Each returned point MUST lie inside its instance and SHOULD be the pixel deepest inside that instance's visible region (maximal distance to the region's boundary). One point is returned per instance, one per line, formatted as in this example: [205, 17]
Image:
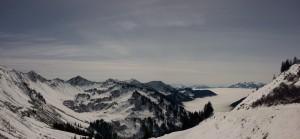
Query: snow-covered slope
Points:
[265, 123]
[290, 77]
[275, 116]
[21, 93]
[14, 125]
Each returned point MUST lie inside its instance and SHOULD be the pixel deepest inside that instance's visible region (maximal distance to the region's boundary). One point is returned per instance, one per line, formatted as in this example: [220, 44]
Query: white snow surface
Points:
[281, 122]
[15, 126]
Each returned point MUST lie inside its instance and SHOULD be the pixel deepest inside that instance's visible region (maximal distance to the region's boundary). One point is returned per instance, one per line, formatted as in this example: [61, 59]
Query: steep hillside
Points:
[288, 78]
[26, 111]
[270, 112]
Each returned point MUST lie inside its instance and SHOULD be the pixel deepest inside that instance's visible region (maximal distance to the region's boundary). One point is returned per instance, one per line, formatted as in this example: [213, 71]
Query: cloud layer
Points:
[209, 42]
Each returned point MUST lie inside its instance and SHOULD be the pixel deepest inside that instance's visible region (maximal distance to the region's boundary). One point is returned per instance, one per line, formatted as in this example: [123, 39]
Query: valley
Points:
[221, 102]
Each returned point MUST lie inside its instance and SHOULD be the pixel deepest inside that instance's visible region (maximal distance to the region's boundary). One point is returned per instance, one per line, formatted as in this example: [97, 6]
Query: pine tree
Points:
[208, 110]
[295, 60]
[286, 65]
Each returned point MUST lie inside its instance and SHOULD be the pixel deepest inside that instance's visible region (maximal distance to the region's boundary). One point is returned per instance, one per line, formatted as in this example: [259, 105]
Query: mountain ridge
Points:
[126, 107]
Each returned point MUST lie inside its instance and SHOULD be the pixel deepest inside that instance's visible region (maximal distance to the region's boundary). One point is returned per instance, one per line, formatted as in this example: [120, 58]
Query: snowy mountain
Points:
[134, 82]
[198, 86]
[247, 85]
[270, 112]
[33, 76]
[35, 107]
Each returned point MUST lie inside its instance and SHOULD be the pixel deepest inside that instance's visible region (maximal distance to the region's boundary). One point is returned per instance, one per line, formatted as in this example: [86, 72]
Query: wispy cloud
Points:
[127, 25]
[180, 20]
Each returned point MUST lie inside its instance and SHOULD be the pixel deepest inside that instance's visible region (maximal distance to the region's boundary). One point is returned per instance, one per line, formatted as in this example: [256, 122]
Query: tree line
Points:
[100, 129]
[189, 120]
[285, 65]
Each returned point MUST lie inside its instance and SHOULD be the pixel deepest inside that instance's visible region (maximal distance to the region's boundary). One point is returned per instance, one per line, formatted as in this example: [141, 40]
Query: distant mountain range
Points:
[238, 85]
[180, 86]
[247, 85]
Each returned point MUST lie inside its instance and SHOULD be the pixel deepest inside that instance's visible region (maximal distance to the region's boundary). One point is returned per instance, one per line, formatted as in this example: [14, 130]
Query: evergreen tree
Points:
[208, 110]
[286, 65]
[295, 60]
[104, 130]
[70, 128]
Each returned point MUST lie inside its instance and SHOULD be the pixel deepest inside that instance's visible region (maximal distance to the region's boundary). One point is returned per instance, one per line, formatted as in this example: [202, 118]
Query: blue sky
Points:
[177, 41]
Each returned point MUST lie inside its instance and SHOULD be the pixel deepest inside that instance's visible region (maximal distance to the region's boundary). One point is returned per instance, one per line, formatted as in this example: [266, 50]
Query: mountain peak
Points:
[133, 81]
[78, 80]
[4, 68]
[156, 82]
[110, 80]
[32, 72]
[160, 86]
[58, 80]
[32, 75]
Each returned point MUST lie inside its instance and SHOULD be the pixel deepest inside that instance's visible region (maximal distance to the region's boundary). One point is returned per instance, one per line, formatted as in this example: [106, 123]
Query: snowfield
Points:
[220, 102]
[15, 126]
[281, 122]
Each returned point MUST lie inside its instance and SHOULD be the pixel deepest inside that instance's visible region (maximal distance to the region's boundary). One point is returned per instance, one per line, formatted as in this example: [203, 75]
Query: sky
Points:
[213, 42]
